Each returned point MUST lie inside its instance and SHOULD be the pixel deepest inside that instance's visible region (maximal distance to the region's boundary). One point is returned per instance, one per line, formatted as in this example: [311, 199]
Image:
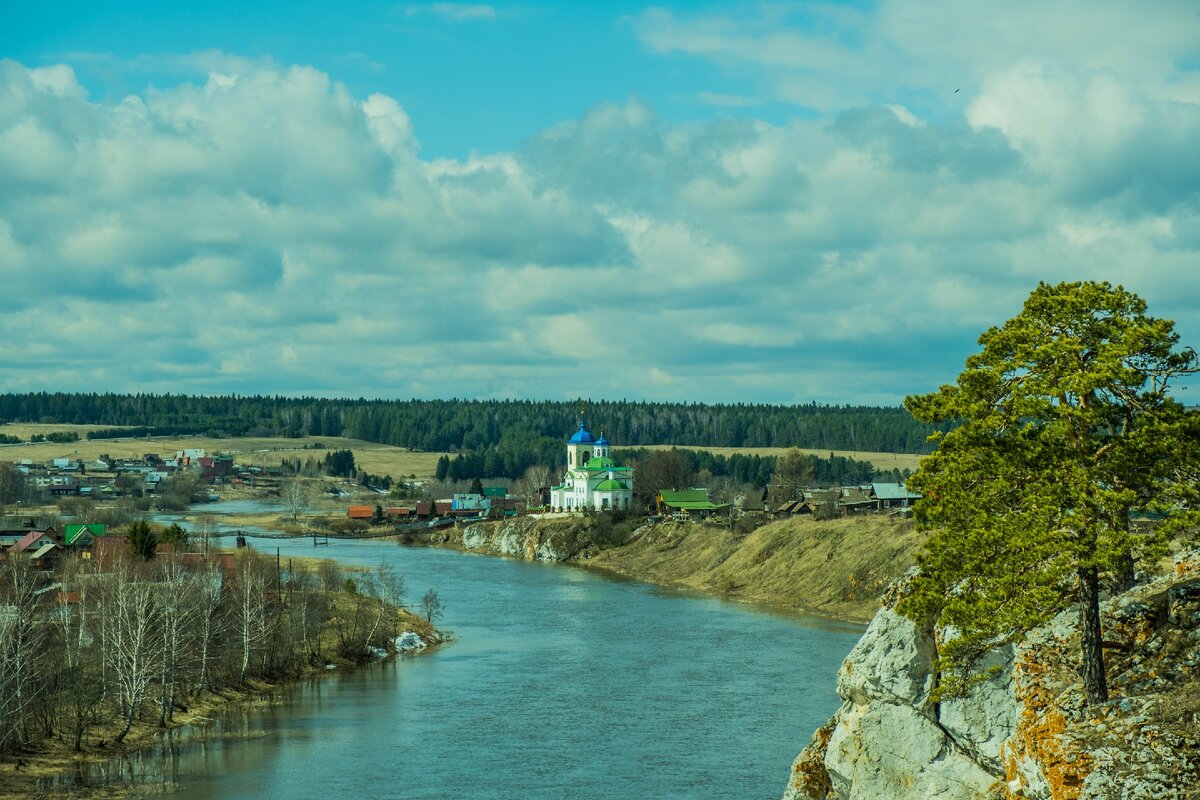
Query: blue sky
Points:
[759, 202]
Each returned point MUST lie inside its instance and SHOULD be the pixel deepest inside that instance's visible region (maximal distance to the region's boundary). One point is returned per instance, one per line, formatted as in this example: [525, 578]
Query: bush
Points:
[330, 575]
[746, 525]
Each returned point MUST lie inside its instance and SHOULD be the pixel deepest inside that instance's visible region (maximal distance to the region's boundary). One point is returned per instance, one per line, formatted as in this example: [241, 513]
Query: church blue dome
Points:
[582, 436]
[602, 441]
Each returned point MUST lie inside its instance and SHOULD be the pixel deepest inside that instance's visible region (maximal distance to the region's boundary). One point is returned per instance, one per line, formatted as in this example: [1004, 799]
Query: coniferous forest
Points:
[447, 425]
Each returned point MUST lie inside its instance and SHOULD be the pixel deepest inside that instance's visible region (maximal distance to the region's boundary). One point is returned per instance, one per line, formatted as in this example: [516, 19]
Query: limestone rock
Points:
[981, 722]
[1025, 732]
[475, 537]
[883, 750]
[892, 661]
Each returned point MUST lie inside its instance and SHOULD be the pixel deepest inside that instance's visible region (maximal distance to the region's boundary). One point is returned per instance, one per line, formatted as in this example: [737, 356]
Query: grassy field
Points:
[27, 429]
[378, 459]
[880, 460]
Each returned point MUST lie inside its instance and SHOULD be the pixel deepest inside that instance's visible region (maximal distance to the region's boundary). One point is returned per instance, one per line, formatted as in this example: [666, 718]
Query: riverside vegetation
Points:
[116, 650]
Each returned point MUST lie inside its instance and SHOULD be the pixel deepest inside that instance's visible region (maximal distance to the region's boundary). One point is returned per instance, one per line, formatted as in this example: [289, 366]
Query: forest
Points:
[508, 436]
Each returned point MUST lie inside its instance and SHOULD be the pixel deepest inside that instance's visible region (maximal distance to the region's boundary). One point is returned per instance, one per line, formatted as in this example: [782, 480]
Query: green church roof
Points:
[600, 463]
[610, 485]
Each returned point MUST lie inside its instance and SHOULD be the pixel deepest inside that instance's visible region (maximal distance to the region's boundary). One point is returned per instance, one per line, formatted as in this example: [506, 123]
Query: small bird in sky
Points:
[956, 91]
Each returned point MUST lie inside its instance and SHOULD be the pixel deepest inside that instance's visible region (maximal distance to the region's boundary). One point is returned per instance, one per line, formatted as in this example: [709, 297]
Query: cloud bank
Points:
[265, 231]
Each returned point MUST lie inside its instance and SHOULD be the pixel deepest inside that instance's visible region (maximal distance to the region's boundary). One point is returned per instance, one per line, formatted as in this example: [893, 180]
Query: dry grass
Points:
[378, 459]
[27, 429]
[907, 461]
[837, 568]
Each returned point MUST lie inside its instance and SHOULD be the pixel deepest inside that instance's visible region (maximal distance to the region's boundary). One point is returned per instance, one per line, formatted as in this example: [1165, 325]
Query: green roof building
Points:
[82, 535]
[593, 481]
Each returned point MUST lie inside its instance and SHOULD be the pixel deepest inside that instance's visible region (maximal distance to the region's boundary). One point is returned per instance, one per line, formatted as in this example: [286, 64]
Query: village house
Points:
[693, 503]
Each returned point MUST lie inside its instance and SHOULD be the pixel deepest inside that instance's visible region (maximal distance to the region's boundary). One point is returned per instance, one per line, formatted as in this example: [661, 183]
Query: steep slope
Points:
[1024, 733]
[837, 568]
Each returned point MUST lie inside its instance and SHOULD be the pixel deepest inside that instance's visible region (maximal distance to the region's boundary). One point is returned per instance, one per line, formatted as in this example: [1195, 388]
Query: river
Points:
[560, 683]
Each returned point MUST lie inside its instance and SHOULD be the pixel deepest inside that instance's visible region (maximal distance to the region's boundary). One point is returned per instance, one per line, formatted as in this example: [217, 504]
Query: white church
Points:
[593, 480]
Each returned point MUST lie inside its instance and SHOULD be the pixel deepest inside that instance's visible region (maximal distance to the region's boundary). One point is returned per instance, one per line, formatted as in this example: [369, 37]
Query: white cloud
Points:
[260, 229]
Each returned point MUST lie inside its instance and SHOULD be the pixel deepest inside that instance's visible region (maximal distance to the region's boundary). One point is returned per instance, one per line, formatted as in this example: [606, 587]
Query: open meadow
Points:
[909, 461]
[378, 459]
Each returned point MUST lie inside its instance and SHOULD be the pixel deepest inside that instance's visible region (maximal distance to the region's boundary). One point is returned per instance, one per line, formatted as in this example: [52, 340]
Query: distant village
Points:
[593, 482]
[66, 476]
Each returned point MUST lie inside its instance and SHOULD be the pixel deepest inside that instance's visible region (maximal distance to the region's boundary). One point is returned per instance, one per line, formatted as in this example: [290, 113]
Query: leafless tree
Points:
[22, 637]
[177, 612]
[12, 485]
[203, 530]
[250, 611]
[431, 606]
[531, 484]
[293, 497]
[208, 584]
[130, 629]
[387, 587]
[80, 683]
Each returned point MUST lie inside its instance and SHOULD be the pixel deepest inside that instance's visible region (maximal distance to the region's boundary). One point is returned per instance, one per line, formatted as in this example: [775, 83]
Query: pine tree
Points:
[1066, 429]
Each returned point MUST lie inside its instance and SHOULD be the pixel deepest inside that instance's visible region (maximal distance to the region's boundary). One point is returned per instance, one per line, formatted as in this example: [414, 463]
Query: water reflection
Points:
[561, 682]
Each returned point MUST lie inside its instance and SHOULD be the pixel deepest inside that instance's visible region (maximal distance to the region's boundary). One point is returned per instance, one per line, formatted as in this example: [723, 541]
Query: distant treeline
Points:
[506, 435]
[754, 470]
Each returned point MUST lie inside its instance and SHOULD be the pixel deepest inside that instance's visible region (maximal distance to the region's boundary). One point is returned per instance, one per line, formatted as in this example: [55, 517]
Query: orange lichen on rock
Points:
[1041, 737]
[809, 776]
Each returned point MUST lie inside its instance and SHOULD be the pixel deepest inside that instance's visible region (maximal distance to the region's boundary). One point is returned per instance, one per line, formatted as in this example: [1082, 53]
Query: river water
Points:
[560, 683]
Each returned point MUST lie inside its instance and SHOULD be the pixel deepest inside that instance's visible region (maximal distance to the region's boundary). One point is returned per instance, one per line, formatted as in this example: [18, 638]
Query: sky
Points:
[735, 202]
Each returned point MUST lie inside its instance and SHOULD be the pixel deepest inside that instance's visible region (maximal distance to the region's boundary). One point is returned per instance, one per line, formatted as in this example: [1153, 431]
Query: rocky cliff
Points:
[527, 538]
[1024, 732]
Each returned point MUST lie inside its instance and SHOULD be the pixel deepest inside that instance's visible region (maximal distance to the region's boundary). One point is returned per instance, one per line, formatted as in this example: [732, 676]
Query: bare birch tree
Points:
[130, 627]
[177, 612]
[80, 682]
[22, 638]
[207, 586]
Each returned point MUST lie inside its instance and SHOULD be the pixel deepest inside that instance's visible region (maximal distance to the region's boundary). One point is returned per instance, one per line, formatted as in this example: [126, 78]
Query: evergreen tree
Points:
[1066, 428]
[143, 541]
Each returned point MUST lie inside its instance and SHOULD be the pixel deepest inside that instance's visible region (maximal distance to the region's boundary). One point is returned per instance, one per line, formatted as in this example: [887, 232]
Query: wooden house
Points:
[360, 512]
[695, 503]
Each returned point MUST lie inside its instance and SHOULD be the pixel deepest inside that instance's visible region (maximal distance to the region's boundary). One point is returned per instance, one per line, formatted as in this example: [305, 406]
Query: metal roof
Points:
[893, 491]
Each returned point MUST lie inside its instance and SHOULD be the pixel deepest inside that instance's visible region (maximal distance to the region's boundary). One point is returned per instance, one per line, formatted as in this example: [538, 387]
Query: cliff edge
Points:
[1024, 732]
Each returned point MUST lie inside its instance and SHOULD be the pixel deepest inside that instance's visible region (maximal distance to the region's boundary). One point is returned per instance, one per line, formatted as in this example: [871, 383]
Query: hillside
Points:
[836, 568]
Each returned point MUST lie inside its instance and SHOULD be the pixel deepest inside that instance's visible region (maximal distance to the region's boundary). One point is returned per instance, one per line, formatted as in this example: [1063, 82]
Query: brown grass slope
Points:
[837, 568]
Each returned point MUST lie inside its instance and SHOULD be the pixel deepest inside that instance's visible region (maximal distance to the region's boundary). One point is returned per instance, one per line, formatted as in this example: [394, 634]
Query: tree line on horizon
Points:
[481, 425]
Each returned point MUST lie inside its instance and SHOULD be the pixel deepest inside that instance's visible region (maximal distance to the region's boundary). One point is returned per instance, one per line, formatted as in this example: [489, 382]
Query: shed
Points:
[893, 495]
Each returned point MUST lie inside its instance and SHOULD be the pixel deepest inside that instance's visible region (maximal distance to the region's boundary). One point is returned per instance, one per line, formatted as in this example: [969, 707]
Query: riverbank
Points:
[834, 568]
[837, 568]
[25, 774]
